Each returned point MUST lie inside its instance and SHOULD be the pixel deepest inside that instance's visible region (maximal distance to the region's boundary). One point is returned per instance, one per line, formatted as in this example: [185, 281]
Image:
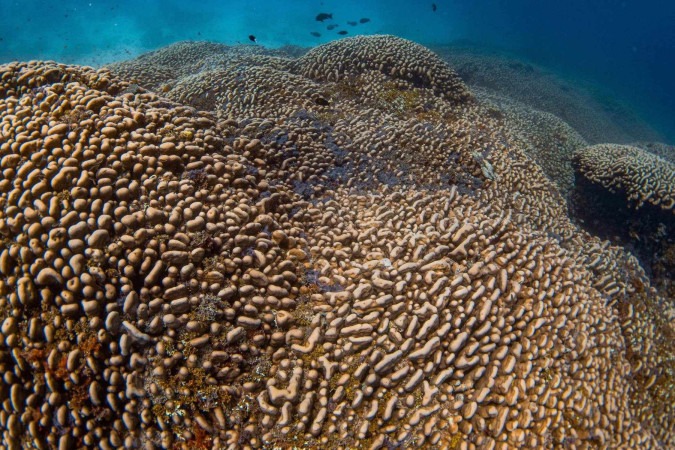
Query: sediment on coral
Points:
[367, 259]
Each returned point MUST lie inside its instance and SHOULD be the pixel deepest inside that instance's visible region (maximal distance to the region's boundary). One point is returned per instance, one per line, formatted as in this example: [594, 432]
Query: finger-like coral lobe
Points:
[338, 249]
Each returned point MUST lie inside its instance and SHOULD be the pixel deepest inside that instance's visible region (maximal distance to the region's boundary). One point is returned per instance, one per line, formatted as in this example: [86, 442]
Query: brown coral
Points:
[159, 70]
[391, 55]
[665, 151]
[441, 329]
[121, 256]
[388, 269]
[639, 175]
[544, 137]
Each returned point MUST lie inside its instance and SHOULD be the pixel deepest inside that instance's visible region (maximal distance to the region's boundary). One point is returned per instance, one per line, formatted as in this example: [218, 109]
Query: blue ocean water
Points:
[627, 46]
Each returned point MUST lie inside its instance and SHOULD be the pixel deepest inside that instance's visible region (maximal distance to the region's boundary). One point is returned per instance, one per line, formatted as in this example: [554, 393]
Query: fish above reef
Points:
[315, 33]
[342, 32]
[352, 23]
[332, 26]
[323, 16]
[252, 38]
[364, 20]
[433, 7]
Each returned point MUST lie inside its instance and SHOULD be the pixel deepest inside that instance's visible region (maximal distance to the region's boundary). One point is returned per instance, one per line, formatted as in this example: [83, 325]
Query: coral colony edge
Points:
[216, 246]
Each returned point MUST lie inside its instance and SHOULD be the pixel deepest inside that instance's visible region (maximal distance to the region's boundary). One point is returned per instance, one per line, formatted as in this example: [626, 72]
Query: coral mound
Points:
[160, 69]
[546, 139]
[391, 55]
[665, 151]
[365, 264]
[116, 208]
[641, 176]
[251, 81]
[627, 194]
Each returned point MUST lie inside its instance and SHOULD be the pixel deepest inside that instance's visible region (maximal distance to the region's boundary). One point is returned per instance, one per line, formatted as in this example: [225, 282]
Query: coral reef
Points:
[544, 137]
[159, 70]
[393, 56]
[627, 194]
[665, 151]
[589, 109]
[640, 176]
[339, 249]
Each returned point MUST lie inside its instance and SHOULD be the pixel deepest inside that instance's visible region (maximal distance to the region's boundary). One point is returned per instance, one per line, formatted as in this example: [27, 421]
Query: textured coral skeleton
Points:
[184, 269]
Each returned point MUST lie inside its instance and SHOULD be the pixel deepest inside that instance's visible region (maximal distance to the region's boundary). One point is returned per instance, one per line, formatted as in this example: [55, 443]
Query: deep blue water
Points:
[627, 46]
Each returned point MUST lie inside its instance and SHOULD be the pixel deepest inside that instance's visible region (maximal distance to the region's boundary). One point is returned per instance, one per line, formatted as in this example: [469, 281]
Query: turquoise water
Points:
[626, 46]
[95, 31]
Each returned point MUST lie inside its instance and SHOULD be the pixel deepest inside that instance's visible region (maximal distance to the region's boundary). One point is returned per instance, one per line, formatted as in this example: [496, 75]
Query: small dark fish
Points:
[332, 26]
[342, 32]
[352, 23]
[315, 34]
[323, 16]
[433, 7]
[252, 38]
[364, 20]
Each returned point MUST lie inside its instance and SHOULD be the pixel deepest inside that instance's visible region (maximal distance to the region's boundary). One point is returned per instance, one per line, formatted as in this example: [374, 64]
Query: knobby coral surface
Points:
[641, 176]
[330, 256]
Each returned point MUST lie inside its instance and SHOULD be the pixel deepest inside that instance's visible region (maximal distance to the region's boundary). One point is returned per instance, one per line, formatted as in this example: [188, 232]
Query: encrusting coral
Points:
[665, 151]
[545, 138]
[367, 259]
[642, 176]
